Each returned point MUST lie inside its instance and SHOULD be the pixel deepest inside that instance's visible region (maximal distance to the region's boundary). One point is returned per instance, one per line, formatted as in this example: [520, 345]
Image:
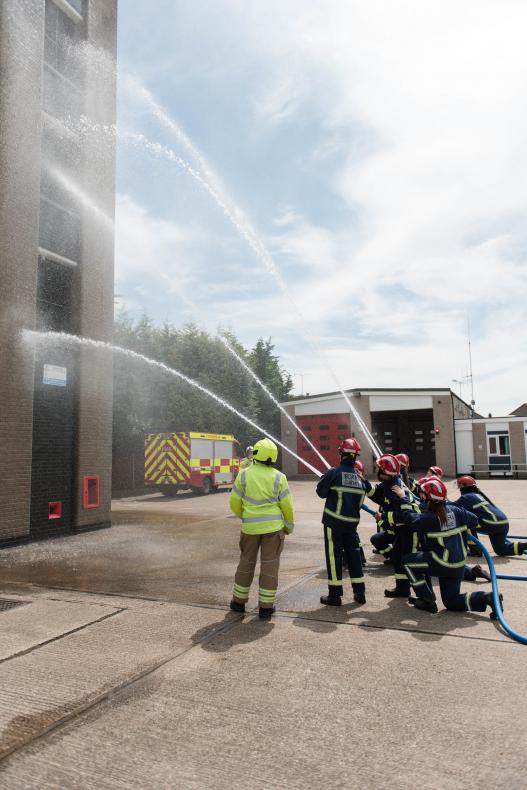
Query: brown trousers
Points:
[270, 546]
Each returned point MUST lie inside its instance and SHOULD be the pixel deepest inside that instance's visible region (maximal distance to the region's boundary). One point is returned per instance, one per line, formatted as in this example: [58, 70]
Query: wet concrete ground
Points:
[124, 668]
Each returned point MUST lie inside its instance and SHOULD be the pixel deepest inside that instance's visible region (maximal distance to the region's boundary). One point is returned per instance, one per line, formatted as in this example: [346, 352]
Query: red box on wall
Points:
[54, 510]
[90, 491]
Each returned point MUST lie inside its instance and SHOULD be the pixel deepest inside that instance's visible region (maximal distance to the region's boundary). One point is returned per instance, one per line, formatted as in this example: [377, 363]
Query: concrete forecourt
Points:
[123, 666]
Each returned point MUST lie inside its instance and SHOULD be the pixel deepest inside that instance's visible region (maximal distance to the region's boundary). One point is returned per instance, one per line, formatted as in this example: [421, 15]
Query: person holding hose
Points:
[260, 496]
[344, 490]
[444, 531]
[396, 531]
[491, 520]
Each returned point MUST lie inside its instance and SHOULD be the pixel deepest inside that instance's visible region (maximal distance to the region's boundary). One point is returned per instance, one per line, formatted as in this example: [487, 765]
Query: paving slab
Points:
[47, 685]
[38, 621]
[280, 705]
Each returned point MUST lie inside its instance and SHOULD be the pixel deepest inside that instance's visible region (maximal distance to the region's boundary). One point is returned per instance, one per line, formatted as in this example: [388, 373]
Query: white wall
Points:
[400, 402]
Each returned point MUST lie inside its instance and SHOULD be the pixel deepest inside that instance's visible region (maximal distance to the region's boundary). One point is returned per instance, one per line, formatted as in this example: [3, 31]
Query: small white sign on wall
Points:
[55, 375]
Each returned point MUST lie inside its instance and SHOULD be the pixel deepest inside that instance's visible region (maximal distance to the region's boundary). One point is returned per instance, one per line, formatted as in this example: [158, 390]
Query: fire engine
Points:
[203, 462]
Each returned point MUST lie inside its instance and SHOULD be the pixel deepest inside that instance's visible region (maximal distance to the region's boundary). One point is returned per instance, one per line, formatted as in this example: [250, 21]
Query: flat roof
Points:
[373, 391]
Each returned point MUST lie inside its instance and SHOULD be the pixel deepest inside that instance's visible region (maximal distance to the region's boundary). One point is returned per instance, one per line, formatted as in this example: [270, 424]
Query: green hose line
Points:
[495, 595]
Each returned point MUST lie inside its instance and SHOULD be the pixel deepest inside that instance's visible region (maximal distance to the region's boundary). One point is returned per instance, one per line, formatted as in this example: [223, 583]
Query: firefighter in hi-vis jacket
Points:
[260, 497]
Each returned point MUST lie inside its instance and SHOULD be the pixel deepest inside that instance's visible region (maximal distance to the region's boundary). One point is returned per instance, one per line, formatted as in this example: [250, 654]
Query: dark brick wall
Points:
[62, 454]
[94, 447]
[21, 47]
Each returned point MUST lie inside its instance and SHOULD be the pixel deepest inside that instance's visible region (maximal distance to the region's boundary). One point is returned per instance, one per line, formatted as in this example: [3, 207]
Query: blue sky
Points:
[374, 151]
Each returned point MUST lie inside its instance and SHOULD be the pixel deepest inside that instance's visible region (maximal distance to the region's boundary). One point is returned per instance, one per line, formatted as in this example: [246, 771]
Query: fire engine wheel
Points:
[207, 486]
[168, 490]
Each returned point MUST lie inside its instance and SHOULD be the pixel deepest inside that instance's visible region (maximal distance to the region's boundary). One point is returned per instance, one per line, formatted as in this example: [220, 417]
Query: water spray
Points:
[63, 337]
[242, 224]
[270, 395]
[210, 183]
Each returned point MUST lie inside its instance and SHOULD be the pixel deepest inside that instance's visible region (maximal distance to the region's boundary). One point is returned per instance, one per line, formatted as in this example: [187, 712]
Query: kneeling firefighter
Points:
[444, 532]
[260, 497]
[344, 490]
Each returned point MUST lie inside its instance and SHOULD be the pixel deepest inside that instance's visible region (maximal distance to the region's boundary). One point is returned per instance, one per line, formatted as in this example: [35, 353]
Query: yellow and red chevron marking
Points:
[167, 458]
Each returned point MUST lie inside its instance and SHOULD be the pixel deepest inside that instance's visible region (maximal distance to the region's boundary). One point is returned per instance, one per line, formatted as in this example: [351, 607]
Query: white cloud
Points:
[436, 191]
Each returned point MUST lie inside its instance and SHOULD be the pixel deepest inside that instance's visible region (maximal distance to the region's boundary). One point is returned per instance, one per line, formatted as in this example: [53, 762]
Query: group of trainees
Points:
[419, 531]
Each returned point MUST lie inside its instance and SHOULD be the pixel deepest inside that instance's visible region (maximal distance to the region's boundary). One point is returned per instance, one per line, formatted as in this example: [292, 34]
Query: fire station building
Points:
[433, 426]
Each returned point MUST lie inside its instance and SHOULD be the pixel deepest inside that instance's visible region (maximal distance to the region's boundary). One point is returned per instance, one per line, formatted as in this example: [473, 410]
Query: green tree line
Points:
[148, 400]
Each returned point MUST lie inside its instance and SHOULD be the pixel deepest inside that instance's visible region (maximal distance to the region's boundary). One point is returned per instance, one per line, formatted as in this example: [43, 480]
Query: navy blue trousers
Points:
[420, 566]
[338, 541]
[382, 541]
[502, 546]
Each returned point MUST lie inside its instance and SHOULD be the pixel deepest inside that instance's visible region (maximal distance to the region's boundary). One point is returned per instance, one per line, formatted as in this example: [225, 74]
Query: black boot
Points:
[480, 573]
[425, 605]
[359, 597]
[522, 547]
[489, 601]
[331, 600]
[266, 612]
[473, 551]
[238, 607]
[399, 591]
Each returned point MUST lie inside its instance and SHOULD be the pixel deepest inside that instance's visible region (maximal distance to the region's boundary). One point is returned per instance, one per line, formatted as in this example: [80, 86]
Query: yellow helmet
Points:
[265, 450]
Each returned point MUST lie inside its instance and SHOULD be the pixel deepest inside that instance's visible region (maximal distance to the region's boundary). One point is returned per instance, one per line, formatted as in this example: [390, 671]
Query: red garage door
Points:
[326, 431]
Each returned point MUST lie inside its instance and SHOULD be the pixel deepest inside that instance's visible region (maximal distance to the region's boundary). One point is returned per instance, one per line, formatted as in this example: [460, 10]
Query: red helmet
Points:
[422, 480]
[434, 489]
[403, 459]
[436, 471]
[359, 466]
[466, 481]
[349, 446]
[389, 464]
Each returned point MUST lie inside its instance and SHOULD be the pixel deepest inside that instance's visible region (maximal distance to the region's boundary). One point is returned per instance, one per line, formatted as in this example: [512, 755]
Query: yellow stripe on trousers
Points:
[331, 549]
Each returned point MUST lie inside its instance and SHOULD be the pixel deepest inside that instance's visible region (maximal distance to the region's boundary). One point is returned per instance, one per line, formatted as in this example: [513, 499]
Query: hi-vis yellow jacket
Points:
[260, 497]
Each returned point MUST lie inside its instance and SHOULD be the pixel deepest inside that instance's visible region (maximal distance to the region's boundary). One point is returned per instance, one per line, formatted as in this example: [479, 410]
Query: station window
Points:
[54, 291]
[342, 427]
[324, 447]
[324, 438]
[323, 427]
[63, 63]
[306, 428]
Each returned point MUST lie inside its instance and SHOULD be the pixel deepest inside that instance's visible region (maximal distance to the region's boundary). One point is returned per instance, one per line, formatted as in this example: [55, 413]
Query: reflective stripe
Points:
[350, 519]
[400, 576]
[516, 548]
[284, 494]
[241, 588]
[277, 480]
[258, 519]
[243, 478]
[494, 521]
[331, 551]
[357, 580]
[448, 564]
[347, 490]
[288, 524]
[448, 533]
[252, 501]
[337, 583]
[467, 601]
[237, 491]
